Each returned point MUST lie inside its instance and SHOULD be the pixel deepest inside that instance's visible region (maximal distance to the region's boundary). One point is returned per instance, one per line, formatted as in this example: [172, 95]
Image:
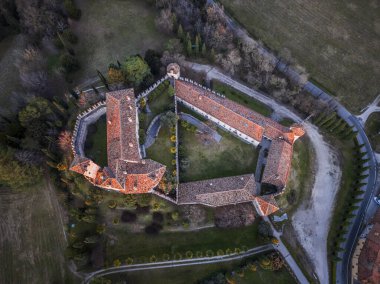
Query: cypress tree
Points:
[189, 48]
[196, 46]
[180, 32]
[204, 50]
[103, 79]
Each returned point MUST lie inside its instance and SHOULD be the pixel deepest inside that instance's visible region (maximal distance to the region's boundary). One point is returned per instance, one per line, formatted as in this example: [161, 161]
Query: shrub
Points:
[70, 36]
[116, 221]
[199, 254]
[177, 256]
[129, 261]
[189, 254]
[209, 253]
[116, 262]
[165, 257]
[153, 258]
[173, 150]
[220, 252]
[173, 138]
[153, 229]
[72, 11]
[237, 250]
[128, 217]
[175, 215]
[158, 218]
[112, 204]
[69, 63]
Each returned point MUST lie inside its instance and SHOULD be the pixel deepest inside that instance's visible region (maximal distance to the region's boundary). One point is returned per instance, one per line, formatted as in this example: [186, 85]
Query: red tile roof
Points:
[251, 124]
[265, 205]
[218, 191]
[278, 164]
[126, 171]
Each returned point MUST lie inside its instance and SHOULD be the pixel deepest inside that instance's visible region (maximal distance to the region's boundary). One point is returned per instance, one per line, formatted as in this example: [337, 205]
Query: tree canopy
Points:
[135, 70]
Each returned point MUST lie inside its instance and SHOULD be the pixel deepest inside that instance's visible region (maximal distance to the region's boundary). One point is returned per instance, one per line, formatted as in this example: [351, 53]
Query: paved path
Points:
[177, 263]
[201, 126]
[368, 110]
[327, 175]
[152, 132]
[287, 256]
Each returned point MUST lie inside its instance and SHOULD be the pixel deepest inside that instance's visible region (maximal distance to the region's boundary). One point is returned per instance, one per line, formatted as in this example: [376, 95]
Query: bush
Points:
[112, 204]
[128, 216]
[220, 252]
[69, 63]
[165, 257]
[129, 261]
[158, 218]
[209, 253]
[116, 221]
[70, 36]
[72, 11]
[153, 229]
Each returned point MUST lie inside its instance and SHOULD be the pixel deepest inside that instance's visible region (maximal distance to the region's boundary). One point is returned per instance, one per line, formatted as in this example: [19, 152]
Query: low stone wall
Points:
[84, 119]
[151, 88]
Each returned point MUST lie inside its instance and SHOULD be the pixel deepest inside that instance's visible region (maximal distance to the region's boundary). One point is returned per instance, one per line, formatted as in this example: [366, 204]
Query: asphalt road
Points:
[177, 263]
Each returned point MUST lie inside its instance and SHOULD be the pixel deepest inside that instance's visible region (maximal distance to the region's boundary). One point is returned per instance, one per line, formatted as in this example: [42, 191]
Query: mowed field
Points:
[31, 240]
[337, 41]
[111, 30]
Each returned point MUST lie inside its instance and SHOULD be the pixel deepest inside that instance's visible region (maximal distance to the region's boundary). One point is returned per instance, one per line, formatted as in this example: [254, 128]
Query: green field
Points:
[96, 142]
[9, 77]
[337, 41]
[110, 30]
[160, 150]
[192, 274]
[32, 242]
[229, 157]
[141, 246]
[241, 98]
[372, 128]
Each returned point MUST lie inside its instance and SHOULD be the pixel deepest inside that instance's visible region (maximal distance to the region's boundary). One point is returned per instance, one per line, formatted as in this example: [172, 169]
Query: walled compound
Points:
[127, 172]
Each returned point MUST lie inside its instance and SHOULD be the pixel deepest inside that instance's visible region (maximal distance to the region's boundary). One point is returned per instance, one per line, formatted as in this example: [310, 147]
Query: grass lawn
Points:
[241, 98]
[299, 183]
[372, 128]
[160, 150]
[337, 41]
[141, 246]
[96, 142]
[193, 274]
[110, 30]
[32, 243]
[286, 122]
[229, 157]
[9, 78]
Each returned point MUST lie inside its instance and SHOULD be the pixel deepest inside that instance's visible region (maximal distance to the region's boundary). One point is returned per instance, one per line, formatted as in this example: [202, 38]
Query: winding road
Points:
[177, 263]
[311, 233]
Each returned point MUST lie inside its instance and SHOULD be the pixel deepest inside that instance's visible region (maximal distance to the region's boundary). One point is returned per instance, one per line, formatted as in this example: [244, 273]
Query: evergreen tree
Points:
[196, 46]
[189, 48]
[204, 50]
[103, 79]
[180, 32]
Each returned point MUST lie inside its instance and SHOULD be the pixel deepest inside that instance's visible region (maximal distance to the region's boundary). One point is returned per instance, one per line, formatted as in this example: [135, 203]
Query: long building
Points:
[246, 124]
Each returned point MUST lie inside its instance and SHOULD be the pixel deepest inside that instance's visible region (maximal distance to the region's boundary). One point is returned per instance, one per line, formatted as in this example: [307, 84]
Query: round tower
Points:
[173, 71]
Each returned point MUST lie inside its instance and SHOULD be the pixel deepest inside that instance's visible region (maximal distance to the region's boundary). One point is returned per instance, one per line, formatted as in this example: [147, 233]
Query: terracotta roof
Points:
[219, 191]
[369, 259]
[278, 164]
[84, 166]
[122, 140]
[265, 205]
[126, 171]
[235, 115]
